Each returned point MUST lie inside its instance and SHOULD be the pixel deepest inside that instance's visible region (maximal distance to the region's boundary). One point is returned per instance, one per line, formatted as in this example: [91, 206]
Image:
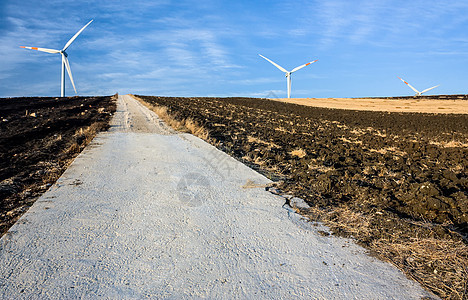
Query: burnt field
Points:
[396, 182]
[39, 137]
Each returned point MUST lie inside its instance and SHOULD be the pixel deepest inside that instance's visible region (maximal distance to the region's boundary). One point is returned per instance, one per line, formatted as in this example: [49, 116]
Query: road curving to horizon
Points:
[145, 212]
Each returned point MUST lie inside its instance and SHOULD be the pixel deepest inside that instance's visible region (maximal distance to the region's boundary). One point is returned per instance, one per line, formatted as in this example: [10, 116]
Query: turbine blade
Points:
[304, 65]
[409, 85]
[41, 49]
[75, 36]
[276, 65]
[67, 65]
[430, 89]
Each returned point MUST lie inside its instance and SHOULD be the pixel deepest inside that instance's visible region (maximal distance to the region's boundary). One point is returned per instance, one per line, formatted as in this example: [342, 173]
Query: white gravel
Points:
[146, 213]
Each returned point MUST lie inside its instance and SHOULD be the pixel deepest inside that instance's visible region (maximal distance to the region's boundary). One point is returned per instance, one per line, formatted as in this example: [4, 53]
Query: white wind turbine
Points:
[64, 55]
[418, 93]
[288, 73]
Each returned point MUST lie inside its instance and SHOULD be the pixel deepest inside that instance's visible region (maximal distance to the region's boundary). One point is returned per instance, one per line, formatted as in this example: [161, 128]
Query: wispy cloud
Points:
[381, 22]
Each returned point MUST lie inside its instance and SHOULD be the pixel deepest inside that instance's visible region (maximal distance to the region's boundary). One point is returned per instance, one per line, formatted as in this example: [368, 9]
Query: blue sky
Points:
[210, 48]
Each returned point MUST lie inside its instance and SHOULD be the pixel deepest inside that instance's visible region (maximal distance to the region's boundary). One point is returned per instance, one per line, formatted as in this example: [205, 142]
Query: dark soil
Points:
[405, 172]
[39, 137]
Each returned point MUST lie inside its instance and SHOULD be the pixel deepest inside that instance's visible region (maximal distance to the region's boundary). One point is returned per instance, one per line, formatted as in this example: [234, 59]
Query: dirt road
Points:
[145, 212]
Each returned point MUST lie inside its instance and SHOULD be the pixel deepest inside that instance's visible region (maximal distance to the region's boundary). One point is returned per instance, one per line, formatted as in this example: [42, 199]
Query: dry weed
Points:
[52, 175]
[196, 130]
[73, 148]
[451, 144]
[350, 141]
[252, 139]
[439, 265]
[357, 132]
[185, 125]
[386, 150]
[318, 166]
[259, 161]
[299, 153]
[281, 129]
[321, 168]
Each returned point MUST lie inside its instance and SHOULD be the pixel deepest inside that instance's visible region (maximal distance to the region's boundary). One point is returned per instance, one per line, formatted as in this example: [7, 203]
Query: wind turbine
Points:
[418, 93]
[288, 73]
[64, 55]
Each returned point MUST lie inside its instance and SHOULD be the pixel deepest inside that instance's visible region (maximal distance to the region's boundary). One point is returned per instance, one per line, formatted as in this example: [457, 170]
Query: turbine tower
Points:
[418, 93]
[65, 63]
[288, 73]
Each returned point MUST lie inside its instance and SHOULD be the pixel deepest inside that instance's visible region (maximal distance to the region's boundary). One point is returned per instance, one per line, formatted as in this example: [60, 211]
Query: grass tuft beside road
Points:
[186, 125]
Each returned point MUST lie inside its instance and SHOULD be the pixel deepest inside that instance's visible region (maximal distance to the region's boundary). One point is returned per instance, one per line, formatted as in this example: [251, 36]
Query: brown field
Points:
[426, 104]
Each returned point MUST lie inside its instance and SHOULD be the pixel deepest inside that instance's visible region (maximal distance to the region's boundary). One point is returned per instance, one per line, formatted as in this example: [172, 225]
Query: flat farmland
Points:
[395, 181]
[39, 137]
[450, 104]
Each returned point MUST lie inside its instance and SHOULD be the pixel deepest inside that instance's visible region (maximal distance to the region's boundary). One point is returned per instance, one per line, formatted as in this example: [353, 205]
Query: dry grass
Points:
[252, 139]
[446, 261]
[281, 129]
[185, 125]
[371, 130]
[83, 137]
[457, 168]
[52, 175]
[299, 153]
[196, 130]
[386, 150]
[440, 265]
[451, 144]
[355, 141]
[320, 168]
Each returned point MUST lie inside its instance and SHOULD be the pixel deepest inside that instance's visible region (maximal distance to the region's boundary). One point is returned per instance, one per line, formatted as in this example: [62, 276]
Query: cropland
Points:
[39, 138]
[441, 104]
[395, 181]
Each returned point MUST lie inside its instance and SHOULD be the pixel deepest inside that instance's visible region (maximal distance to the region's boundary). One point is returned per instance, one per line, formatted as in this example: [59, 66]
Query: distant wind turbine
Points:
[418, 93]
[288, 73]
[65, 63]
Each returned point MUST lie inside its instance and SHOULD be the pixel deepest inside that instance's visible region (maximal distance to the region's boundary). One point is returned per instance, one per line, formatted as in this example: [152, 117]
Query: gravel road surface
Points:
[145, 212]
